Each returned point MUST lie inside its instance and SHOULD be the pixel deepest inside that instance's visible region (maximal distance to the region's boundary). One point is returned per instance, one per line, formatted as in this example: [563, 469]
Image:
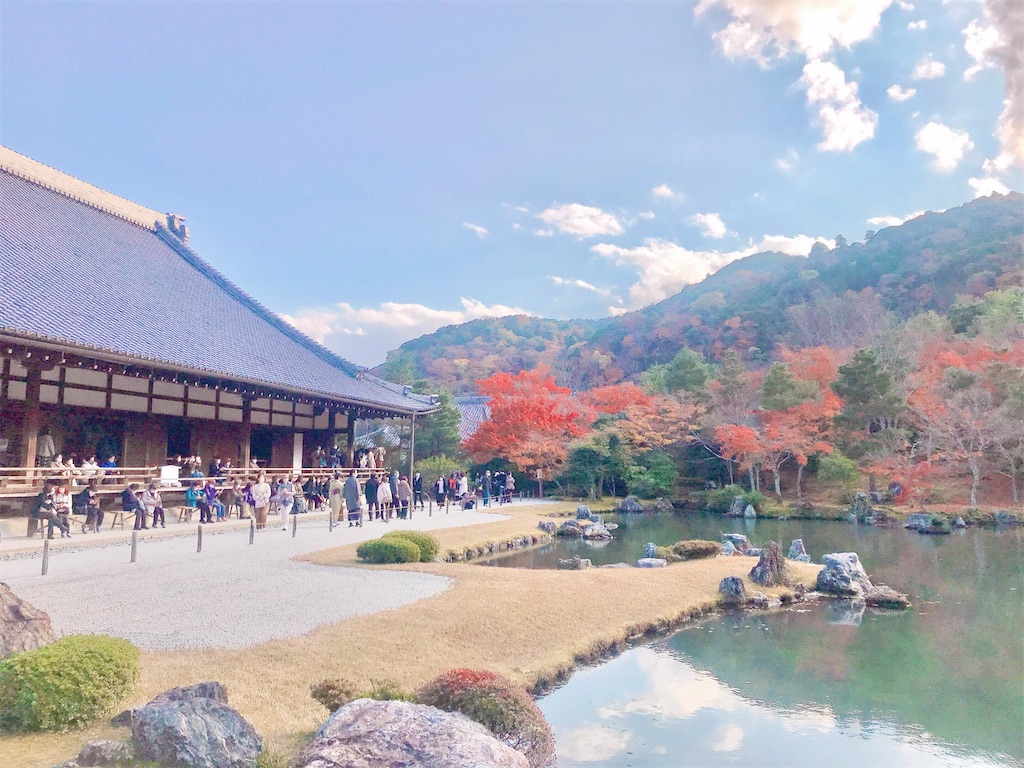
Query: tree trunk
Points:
[778, 484]
[799, 477]
[753, 485]
[731, 479]
[975, 480]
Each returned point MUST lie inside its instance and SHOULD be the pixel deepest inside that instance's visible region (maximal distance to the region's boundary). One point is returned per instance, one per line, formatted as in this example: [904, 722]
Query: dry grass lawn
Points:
[532, 625]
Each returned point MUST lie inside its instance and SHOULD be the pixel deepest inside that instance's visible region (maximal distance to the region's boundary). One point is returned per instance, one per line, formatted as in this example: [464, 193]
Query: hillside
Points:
[836, 297]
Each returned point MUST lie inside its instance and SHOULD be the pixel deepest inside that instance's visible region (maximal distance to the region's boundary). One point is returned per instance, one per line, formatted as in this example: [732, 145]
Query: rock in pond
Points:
[770, 570]
[194, 727]
[738, 540]
[1006, 519]
[616, 565]
[630, 506]
[797, 552]
[887, 597]
[571, 529]
[548, 526]
[736, 508]
[843, 575]
[749, 512]
[582, 512]
[367, 734]
[733, 590]
[651, 562]
[596, 531]
[22, 627]
[574, 563]
[959, 523]
[651, 550]
[728, 549]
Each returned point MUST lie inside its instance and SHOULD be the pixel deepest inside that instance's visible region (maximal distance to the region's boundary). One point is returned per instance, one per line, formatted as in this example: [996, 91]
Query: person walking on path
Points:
[384, 499]
[334, 497]
[261, 501]
[485, 488]
[403, 496]
[285, 500]
[440, 490]
[351, 493]
[417, 491]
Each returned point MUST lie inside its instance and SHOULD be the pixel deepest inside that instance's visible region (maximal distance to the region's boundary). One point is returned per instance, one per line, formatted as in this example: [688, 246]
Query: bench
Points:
[117, 518]
[185, 513]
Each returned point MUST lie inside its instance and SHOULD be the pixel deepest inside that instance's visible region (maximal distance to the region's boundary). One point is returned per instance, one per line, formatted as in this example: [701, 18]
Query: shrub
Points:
[387, 690]
[652, 476]
[66, 684]
[695, 549]
[428, 545]
[431, 467]
[666, 554]
[838, 471]
[334, 694]
[720, 500]
[388, 551]
[498, 704]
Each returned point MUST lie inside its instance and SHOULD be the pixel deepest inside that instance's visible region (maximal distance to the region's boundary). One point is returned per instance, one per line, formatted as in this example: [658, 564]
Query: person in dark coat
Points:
[131, 503]
[351, 493]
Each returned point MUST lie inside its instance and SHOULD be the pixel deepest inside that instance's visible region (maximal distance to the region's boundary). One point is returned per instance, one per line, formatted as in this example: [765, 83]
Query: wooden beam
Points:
[30, 427]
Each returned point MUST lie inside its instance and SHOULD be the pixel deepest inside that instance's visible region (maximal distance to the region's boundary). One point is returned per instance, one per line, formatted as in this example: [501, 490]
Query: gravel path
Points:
[231, 595]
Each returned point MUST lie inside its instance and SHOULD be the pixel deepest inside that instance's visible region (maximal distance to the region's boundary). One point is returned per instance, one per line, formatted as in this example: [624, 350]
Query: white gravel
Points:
[231, 595]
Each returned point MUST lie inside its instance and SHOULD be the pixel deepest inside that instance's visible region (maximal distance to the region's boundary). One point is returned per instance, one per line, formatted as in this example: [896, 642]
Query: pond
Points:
[940, 685]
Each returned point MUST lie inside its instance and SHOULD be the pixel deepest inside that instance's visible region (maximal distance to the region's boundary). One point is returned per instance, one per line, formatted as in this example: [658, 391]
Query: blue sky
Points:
[375, 171]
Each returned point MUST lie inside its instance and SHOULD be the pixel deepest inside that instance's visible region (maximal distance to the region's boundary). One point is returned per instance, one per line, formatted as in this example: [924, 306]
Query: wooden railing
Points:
[22, 481]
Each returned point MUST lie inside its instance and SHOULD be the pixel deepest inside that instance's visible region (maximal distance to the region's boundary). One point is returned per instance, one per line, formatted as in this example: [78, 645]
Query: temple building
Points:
[117, 339]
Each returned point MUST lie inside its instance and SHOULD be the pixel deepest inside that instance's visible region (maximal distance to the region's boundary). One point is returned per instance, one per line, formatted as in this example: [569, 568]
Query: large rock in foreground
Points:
[194, 727]
[22, 626]
[770, 570]
[843, 575]
[374, 734]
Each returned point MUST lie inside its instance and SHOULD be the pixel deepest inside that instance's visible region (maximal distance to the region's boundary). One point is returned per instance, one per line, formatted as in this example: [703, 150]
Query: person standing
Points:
[261, 501]
[334, 497]
[510, 486]
[384, 499]
[417, 490]
[485, 488]
[372, 507]
[351, 494]
[403, 497]
[285, 500]
[440, 489]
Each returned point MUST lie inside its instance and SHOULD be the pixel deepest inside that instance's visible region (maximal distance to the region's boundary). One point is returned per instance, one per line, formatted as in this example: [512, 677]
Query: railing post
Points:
[199, 538]
[46, 556]
[135, 545]
[295, 525]
[252, 530]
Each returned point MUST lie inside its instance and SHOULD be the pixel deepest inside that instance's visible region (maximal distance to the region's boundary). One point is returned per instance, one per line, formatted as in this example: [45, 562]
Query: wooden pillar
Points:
[350, 439]
[30, 427]
[412, 444]
[246, 431]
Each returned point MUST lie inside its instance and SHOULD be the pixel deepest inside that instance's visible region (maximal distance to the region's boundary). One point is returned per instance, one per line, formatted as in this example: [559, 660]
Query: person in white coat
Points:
[285, 500]
[261, 501]
[384, 499]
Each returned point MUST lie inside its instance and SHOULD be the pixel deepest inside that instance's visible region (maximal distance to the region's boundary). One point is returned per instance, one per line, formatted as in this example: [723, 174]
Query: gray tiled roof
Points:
[77, 275]
[473, 411]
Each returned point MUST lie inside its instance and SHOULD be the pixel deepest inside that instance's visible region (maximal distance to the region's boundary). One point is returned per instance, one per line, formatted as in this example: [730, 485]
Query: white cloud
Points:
[663, 190]
[577, 283]
[893, 221]
[581, 220]
[928, 69]
[906, 6]
[366, 335]
[980, 42]
[544, 232]
[479, 231]
[767, 30]
[899, 93]
[1007, 17]
[987, 186]
[844, 120]
[922, 24]
[764, 30]
[592, 743]
[945, 144]
[788, 162]
[665, 267]
[711, 224]
[647, 215]
[727, 739]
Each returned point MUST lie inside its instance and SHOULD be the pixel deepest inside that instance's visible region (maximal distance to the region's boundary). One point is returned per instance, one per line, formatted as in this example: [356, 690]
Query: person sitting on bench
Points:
[131, 503]
[87, 503]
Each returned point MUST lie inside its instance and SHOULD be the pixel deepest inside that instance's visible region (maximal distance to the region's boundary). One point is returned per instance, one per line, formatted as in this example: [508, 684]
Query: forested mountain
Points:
[838, 298]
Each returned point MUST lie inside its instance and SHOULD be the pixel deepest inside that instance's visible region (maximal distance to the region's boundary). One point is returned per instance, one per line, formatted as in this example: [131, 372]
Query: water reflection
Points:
[829, 683]
[649, 707]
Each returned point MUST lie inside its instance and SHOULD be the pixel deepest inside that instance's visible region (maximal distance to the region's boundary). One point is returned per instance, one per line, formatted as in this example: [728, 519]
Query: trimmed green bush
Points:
[720, 500]
[498, 704]
[67, 684]
[695, 549]
[334, 694]
[427, 544]
[388, 551]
